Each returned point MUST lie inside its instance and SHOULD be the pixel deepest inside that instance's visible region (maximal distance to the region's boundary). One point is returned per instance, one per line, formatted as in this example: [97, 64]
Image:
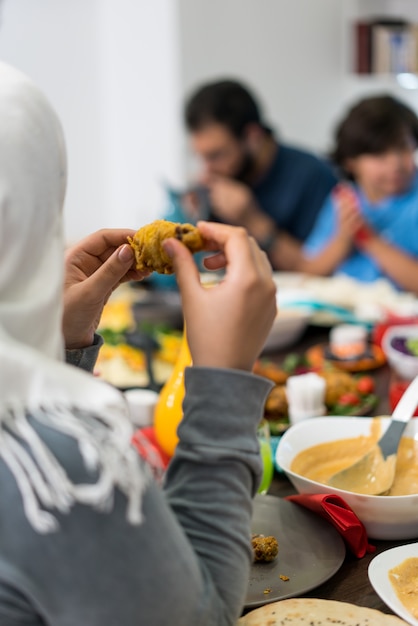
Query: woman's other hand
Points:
[94, 267]
[227, 324]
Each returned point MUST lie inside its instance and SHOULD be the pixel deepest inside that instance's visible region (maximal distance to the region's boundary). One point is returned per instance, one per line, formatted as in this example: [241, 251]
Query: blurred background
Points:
[118, 71]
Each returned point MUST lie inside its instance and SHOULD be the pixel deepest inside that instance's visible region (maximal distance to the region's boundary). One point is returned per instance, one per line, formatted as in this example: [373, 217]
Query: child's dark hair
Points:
[225, 102]
[373, 126]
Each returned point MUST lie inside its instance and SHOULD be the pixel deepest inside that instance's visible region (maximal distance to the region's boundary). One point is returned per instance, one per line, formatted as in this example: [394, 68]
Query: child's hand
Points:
[352, 225]
[348, 212]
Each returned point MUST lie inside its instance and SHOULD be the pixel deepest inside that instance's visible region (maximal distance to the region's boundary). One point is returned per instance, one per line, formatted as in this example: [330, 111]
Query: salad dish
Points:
[346, 394]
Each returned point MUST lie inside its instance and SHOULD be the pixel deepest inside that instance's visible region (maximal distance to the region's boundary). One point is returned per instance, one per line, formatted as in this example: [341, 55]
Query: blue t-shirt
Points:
[395, 219]
[294, 189]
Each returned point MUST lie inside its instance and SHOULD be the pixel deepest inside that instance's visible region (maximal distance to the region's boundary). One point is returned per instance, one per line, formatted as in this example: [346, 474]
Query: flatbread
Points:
[150, 254]
[315, 612]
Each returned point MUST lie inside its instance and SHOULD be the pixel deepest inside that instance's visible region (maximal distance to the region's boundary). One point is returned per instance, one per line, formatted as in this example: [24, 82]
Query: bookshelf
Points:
[381, 38]
[385, 45]
[354, 85]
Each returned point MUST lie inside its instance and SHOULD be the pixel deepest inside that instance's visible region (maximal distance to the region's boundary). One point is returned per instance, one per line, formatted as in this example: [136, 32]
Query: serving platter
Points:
[319, 353]
[310, 551]
[340, 298]
[379, 577]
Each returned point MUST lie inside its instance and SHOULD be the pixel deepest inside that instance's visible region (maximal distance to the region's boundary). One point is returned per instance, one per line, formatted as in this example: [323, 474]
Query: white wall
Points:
[57, 43]
[117, 71]
[141, 105]
[110, 70]
[289, 51]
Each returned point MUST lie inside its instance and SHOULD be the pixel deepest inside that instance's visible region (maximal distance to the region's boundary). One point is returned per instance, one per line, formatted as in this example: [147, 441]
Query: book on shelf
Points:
[414, 31]
[363, 47]
[386, 46]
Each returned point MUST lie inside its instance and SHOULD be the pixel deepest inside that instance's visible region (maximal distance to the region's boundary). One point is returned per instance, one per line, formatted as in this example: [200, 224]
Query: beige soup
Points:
[322, 461]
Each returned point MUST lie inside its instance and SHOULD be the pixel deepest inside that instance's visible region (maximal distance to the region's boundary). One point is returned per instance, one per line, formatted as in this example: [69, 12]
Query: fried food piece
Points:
[149, 253]
[276, 403]
[337, 383]
[270, 370]
[265, 549]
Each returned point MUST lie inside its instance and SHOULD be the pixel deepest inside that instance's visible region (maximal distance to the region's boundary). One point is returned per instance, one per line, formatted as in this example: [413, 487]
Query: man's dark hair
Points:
[225, 102]
[373, 126]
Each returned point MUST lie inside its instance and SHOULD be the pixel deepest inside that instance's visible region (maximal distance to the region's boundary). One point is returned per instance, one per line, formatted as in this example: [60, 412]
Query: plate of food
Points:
[393, 575]
[310, 551]
[135, 354]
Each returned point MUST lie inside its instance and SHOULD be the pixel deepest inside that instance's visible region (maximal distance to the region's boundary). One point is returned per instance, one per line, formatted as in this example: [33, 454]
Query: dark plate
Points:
[310, 551]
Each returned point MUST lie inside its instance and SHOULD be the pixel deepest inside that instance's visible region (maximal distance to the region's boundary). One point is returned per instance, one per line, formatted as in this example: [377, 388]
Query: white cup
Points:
[141, 404]
[348, 340]
[305, 396]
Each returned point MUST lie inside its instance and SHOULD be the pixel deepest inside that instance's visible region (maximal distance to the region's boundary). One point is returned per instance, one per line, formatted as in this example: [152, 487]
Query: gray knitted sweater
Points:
[187, 564]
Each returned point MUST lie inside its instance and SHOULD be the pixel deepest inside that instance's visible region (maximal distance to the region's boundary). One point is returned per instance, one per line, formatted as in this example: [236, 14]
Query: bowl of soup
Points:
[311, 451]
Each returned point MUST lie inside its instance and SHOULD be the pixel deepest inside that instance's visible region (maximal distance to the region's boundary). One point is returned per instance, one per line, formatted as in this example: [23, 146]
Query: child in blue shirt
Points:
[369, 229]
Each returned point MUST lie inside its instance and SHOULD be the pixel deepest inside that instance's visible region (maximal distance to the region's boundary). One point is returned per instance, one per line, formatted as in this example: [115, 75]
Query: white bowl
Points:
[287, 329]
[385, 517]
[405, 365]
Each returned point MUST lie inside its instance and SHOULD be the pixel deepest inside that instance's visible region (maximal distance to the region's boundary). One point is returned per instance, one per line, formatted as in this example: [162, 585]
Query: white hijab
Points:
[34, 380]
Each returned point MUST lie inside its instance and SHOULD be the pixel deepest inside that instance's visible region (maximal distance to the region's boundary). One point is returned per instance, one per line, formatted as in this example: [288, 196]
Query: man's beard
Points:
[246, 169]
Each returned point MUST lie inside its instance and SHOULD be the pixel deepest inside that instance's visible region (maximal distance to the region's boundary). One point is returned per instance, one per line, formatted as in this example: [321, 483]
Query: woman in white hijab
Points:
[86, 537]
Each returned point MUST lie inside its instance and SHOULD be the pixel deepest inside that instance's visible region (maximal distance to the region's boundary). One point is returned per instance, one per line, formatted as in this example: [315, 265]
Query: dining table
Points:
[350, 583]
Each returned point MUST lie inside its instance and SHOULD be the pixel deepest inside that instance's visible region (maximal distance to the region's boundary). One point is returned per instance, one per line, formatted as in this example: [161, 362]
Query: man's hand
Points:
[232, 201]
[93, 269]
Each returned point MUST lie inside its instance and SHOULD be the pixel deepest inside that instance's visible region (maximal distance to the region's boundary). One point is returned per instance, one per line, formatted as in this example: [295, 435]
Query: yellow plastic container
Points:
[169, 409]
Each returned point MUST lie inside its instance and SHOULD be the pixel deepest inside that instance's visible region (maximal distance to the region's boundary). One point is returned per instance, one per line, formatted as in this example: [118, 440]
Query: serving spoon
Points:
[374, 473]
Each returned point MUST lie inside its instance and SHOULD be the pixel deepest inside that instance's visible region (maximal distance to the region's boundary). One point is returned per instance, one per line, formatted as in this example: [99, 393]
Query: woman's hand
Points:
[94, 267]
[228, 323]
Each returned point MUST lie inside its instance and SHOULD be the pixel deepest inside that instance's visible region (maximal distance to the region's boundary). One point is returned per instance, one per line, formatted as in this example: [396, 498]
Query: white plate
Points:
[379, 577]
